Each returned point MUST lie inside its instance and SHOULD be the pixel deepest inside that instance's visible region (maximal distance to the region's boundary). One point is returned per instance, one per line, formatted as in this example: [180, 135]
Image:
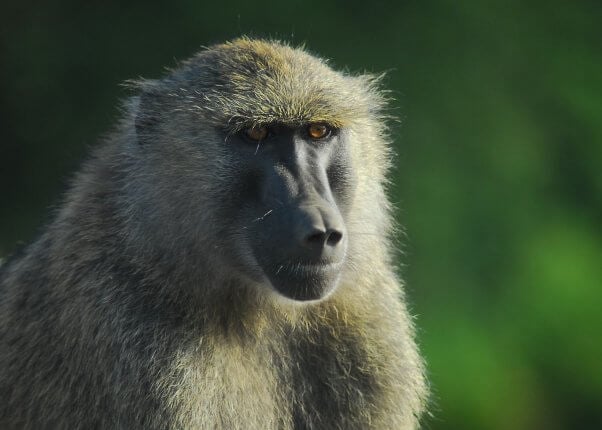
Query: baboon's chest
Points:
[305, 385]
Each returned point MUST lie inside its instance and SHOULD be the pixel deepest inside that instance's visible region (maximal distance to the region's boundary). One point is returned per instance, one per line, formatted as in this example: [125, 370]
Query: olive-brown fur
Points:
[121, 315]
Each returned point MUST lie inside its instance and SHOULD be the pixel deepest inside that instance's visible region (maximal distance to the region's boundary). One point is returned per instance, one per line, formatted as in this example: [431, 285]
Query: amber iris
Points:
[258, 132]
[318, 131]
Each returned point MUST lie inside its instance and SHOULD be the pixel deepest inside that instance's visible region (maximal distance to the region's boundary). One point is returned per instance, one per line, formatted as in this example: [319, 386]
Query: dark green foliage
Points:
[499, 178]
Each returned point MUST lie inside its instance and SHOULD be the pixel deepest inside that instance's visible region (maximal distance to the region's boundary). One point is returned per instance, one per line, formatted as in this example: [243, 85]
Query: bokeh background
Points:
[498, 179]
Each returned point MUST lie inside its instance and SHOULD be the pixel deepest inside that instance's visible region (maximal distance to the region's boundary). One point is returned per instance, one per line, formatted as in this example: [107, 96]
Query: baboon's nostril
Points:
[334, 237]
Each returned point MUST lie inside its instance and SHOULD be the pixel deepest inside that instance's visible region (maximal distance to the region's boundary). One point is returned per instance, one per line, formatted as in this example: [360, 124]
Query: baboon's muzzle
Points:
[301, 240]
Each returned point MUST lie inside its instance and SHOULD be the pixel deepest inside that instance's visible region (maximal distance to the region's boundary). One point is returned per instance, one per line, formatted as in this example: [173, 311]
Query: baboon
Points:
[222, 261]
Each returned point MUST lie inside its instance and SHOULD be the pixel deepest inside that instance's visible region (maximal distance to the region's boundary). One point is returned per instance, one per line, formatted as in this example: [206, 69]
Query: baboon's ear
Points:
[148, 116]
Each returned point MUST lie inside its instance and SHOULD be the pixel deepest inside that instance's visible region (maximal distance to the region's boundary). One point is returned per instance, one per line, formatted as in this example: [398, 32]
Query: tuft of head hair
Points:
[246, 82]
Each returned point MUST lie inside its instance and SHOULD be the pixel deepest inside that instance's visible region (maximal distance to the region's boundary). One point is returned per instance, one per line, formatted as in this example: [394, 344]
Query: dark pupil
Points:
[318, 130]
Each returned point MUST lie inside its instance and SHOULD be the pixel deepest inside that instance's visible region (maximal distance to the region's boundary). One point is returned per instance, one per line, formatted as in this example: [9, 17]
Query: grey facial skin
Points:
[294, 191]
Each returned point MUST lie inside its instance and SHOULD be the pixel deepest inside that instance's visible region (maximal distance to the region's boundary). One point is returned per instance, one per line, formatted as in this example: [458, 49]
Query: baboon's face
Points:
[259, 146]
[295, 186]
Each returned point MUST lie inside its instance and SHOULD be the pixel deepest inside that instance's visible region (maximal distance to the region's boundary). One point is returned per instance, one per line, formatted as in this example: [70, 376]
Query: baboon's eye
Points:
[257, 132]
[318, 131]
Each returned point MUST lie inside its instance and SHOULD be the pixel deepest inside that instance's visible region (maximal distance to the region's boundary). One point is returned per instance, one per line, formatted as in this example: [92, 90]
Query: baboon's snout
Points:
[318, 233]
[304, 247]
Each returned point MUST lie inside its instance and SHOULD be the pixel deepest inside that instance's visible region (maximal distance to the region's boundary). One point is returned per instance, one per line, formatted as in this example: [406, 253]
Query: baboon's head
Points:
[252, 152]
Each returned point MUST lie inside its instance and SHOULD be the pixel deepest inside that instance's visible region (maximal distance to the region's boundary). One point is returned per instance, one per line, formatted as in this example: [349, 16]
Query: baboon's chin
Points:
[305, 284]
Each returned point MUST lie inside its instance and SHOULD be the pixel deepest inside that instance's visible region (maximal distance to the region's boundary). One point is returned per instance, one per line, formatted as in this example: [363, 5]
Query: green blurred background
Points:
[498, 180]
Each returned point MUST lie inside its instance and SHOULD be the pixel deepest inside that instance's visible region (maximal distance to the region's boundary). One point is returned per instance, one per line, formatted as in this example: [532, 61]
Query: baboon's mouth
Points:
[304, 282]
